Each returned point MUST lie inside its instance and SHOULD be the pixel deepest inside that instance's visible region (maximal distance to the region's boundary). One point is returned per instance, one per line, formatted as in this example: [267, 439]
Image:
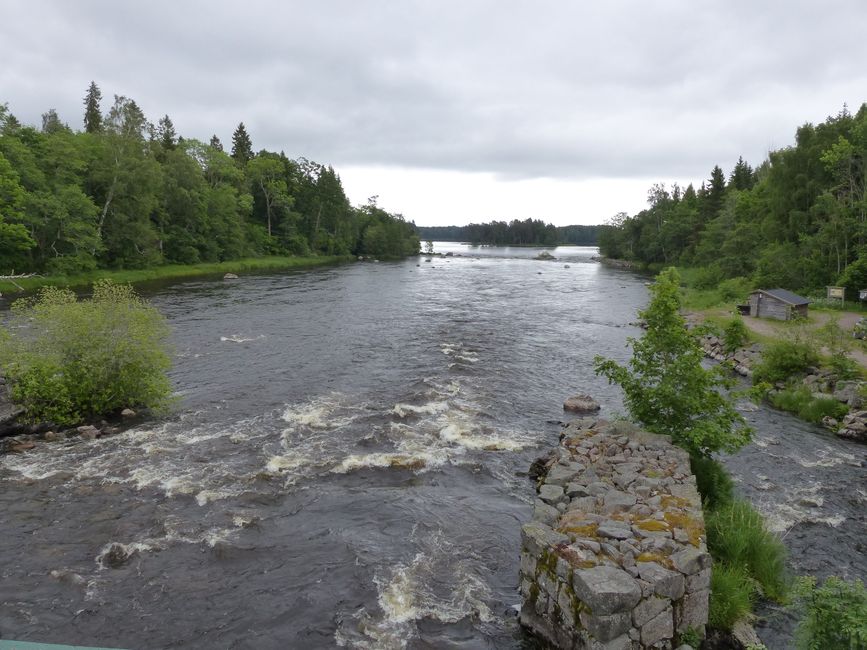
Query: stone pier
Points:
[615, 557]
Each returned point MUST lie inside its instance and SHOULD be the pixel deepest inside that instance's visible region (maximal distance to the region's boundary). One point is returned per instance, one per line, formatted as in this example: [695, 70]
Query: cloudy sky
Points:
[464, 110]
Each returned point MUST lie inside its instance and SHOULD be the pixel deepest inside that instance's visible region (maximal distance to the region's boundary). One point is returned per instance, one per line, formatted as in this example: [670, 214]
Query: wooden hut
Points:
[777, 303]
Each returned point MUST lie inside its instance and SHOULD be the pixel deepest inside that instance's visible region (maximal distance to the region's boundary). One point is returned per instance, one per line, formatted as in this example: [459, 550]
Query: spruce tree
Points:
[166, 133]
[92, 114]
[215, 143]
[242, 146]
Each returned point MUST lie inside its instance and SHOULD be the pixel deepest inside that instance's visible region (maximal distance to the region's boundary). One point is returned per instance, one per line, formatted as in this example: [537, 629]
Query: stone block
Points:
[545, 514]
[657, 629]
[691, 560]
[620, 643]
[560, 475]
[575, 490]
[648, 609]
[536, 537]
[551, 493]
[666, 583]
[528, 565]
[614, 530]
[617, 501]
[699, 581]
[606, 628]
[606, 590]
[692, 611]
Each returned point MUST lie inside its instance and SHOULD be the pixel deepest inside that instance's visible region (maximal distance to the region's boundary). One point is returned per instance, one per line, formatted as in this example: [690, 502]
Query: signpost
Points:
[837, 292]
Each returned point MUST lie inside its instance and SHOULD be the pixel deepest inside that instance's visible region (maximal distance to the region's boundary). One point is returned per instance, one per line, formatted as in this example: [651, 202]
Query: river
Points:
[345, 465]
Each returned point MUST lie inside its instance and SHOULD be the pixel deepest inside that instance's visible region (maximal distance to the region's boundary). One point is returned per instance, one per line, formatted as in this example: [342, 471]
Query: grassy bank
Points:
[170, 272]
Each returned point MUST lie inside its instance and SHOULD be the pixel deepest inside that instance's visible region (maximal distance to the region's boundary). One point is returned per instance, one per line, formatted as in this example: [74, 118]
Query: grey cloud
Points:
[520, 89]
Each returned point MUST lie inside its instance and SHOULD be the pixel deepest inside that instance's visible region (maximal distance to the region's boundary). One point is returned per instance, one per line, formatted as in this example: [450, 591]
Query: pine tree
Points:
[215, 143]
[166, 133]
[92, 114]
[742, 177]
[242, 146]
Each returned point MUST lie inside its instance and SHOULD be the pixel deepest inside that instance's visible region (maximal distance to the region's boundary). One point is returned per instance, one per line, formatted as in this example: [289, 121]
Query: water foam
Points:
[238, 338]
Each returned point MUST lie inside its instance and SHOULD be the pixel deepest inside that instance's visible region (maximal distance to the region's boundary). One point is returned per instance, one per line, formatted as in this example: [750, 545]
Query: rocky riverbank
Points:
[821, 383]
[615, 557]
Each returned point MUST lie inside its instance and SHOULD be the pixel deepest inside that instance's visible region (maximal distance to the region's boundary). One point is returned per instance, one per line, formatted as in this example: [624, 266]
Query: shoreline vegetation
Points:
[139, 200]
[170, 272]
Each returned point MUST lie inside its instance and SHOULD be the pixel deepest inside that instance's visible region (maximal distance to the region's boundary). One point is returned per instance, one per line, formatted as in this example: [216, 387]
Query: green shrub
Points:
[735, 334]
[735, 289]
[812, 409]
[784, 359]
[736, 537]
[731, 594]
[68, 360]
[835, 614]
[714, 483]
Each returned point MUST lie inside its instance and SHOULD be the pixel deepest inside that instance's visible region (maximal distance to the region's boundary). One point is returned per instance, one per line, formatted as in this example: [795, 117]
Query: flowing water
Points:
[346, 464]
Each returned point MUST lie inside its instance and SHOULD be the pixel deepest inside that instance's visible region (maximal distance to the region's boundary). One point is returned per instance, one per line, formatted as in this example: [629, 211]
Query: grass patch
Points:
[802, 403]
[737, 538]
[731, 596]
[170, 272]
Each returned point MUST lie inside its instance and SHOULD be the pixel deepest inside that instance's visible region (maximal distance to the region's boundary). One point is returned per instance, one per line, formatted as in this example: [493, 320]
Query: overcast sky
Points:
[458, 111]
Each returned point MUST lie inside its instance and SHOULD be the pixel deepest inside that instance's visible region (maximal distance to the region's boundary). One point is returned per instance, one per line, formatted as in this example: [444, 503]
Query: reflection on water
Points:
[346, 466]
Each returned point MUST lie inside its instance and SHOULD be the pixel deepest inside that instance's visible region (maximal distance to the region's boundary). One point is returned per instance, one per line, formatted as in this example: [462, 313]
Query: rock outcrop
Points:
[615, 557]
[742, 360]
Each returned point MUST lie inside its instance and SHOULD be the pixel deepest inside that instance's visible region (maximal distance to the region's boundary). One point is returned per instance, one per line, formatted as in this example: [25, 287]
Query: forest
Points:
[797, 221]
[529, 232]
[124, 193]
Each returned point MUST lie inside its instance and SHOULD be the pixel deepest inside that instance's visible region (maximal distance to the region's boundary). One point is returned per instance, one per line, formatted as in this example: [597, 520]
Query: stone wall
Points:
[615, 556]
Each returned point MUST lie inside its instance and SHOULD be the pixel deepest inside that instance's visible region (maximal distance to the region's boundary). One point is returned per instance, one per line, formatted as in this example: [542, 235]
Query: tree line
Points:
[529, 232]
[126, 193]
[797, 221]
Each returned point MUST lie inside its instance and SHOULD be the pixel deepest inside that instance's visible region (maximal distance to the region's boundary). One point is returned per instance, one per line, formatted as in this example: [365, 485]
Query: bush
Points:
[736, 537]
[784, 359]
[735, 334]
[812, 409]
[835, 614]
[714, 483]
[735, 289]
[68, 360]
[731, 596]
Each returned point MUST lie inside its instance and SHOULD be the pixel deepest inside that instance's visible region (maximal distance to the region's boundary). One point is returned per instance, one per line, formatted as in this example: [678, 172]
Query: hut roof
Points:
[785, 296]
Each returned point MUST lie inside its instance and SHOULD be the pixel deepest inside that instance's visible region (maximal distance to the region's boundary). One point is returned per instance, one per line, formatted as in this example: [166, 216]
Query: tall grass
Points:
[738, 539]
[802, 403]
[731, 596]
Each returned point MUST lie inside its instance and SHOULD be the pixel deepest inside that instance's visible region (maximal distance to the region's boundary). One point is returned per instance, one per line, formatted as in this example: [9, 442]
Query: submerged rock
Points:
[230, 276]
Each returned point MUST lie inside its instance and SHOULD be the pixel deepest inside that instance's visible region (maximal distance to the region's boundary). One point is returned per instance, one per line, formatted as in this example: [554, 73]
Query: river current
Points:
[346, 464]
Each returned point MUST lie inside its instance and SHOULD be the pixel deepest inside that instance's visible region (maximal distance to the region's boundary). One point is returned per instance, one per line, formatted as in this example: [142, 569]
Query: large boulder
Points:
[581, 403]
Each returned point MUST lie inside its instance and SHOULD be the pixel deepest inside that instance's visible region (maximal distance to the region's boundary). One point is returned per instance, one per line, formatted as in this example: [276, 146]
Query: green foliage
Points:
[68, 360]
[735, 334]
[795, 221]
[665, 385]
[834, 614]
[807, 407]
[125, 194]
[737, 538]
[784, 359]
[731, 596]
[713, 481]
